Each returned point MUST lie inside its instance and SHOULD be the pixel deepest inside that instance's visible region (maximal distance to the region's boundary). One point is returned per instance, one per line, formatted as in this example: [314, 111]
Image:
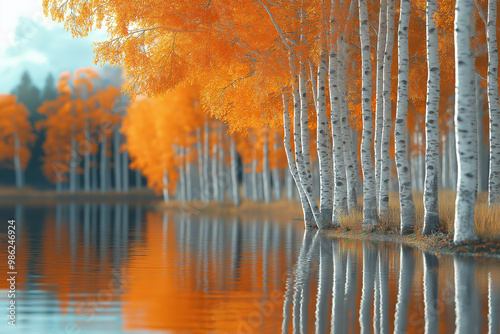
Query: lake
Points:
[123, 267]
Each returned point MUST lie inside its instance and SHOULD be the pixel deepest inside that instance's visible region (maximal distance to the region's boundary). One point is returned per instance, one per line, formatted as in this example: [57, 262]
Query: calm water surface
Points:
[100, 268]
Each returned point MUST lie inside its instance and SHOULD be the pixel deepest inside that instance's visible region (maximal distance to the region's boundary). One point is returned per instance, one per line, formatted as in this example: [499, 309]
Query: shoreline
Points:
[440, 243]
[278, 211]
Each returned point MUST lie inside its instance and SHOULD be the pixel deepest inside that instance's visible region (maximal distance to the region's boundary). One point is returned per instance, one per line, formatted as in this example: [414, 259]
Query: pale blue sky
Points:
[30, 41]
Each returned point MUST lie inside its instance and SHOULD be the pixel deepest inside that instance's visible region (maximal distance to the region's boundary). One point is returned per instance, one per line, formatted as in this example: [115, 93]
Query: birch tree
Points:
[431, 215]
[340, 195]
[494, 122]
[383, 197]
[407, 212]
[379, 91]
[464, 104]
[369, 200]
[308, 215]
[344, 123]
[324, 146]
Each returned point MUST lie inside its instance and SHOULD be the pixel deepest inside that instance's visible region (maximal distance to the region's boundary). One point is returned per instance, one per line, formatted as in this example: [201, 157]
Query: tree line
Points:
[252, 56]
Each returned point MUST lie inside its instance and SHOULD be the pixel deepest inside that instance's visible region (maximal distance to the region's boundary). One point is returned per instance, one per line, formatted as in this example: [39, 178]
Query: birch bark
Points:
[345, 124]
[464, 103]
[431, 208]
[379, 107]
[383, 200]
[313, 216]
[494, 135]
[308, 215]
[324, 144]
[407, 212]
[369, 200]
[340, 191]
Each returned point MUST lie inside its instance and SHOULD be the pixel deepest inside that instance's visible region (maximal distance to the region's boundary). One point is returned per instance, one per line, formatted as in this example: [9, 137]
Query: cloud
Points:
[41, 49]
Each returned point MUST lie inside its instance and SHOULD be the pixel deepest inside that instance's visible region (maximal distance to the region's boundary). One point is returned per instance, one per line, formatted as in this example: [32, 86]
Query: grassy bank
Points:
[487, 222]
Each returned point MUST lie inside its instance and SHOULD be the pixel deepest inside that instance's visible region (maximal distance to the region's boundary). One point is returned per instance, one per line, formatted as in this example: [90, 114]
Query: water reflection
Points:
[115, 268]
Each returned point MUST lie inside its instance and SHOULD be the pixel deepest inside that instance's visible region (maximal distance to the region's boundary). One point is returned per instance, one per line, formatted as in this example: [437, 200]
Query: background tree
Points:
[16, 136]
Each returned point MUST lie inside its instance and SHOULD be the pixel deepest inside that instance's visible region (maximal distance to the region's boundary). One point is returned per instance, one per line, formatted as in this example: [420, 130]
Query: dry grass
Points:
[487, 220]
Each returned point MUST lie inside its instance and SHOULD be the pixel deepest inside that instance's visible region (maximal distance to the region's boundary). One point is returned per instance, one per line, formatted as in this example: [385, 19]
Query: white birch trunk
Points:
[379, 107]
[182, 176]
[355, 158]
[72, 165]
[464, 105]
[452, 155]
[304, 129]
[340, 191]
[205, 195]
[215, 178]
[407, 213]
[493, 104]
[383, 196]
[17, 162]
[266, 177]
[117, 163]
[166, 197]
[255, 191]
[473, 124]
[201, 175]
[311, 213]
[187, 163]
[94, 172]
[431, 208]
[220, 167]
[86, 156]
[369, 200]
[293, 168]
[482, 148]
[345, 124]
[234, 173]
[324, 144]
[289, 185]
[277, 182]
[125, 185]
[103, 164]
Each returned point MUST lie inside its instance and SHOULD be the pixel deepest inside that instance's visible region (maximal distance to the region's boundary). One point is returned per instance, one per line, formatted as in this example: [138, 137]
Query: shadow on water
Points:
[117, 268]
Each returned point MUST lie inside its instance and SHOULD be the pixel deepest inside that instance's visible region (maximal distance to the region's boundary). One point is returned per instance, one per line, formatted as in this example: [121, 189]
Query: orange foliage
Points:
[14, 126]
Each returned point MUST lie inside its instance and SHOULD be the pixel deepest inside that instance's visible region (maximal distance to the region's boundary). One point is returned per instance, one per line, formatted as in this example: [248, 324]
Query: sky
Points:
[30, 41]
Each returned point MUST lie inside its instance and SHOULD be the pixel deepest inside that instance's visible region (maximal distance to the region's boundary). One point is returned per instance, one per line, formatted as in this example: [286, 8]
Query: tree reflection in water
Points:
[120, 267]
